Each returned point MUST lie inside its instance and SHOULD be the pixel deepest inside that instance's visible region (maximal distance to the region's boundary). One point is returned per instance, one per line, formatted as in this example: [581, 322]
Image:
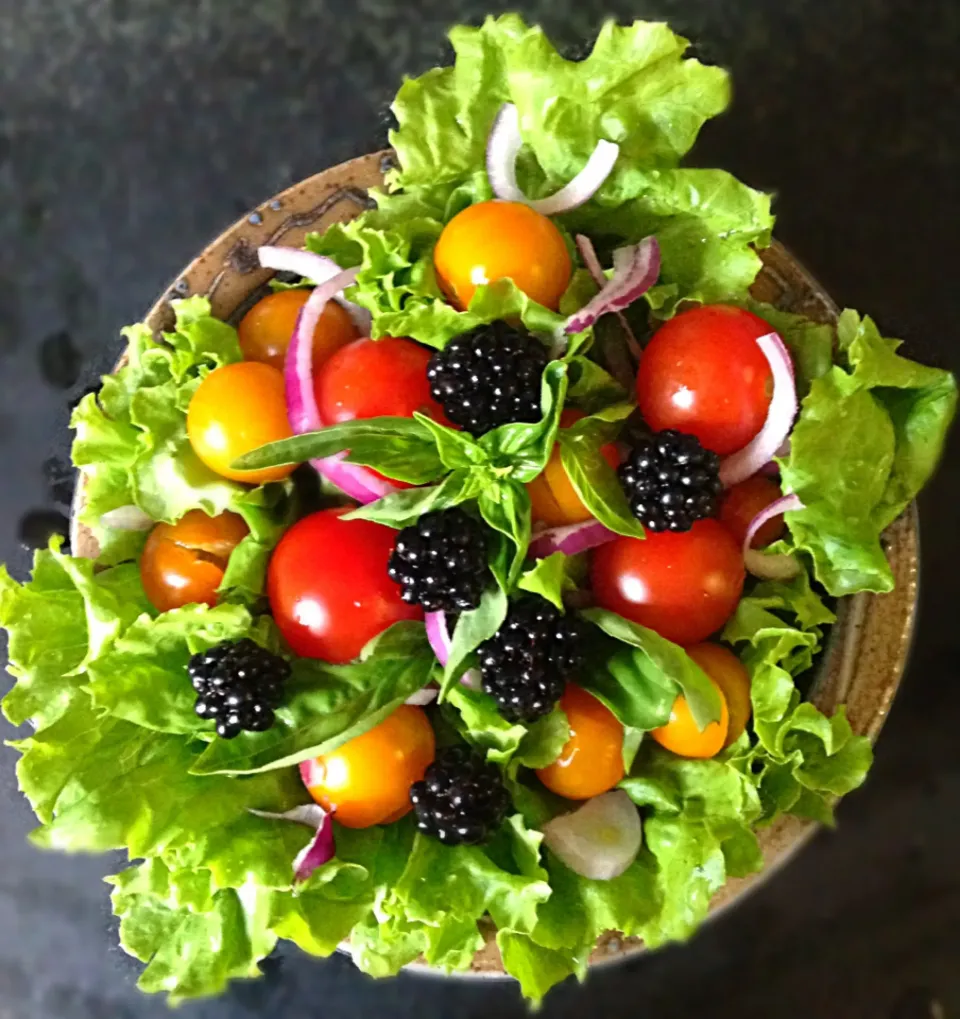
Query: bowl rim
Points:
[228, 272]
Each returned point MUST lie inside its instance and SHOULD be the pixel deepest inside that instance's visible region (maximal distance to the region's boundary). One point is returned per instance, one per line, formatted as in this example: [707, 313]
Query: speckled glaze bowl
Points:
[868, 646]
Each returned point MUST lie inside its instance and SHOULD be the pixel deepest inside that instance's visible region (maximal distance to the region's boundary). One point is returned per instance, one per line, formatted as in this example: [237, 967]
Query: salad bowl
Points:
[865, 654]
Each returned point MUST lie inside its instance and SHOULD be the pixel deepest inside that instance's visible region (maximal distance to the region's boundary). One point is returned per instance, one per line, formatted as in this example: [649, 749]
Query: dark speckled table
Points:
[131, 131]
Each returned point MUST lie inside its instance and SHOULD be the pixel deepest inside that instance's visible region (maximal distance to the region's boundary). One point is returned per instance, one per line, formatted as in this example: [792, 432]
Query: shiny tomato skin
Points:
[328, 586]
[236, 409]
[703, 373]
[367, 780]
[266, 329]
[682, 736]
[497, 240]
[376, 378]
[591, 761]
[553, 499]
[728, 673]
[741, 503]
[184, 563]
[684, 585]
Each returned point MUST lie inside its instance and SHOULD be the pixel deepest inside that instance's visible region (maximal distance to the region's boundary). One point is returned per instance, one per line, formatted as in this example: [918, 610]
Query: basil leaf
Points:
[525, 447]
[330, 704]
[661, 661]
[549, 578]
[472, 629]
[401, 509]
[594, 480]
[387, 443]
[455, 449]
[505, 505]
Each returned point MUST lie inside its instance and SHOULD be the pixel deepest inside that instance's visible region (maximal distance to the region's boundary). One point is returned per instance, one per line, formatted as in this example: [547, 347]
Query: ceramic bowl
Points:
[868, 646]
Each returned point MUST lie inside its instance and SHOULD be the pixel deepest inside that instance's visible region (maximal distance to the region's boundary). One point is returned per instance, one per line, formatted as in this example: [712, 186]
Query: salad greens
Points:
[117, 757]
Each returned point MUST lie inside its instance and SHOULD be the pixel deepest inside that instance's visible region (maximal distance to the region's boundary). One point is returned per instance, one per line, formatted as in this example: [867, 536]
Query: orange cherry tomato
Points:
[684, 738]
[743, 502]
[498, 240]
[591, 761]
[727, 671]
[236, 409]
[184, 563]
[266, 329]
[367, 780]
[553, 499]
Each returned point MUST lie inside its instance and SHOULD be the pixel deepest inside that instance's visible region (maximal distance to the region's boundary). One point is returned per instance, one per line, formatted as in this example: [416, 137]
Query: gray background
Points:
[132, 131]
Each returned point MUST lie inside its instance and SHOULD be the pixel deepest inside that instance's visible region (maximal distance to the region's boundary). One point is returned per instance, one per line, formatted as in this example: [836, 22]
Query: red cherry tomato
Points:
[184, 563]
[367, 780]
[743, 502]
[683, 585]
[496, 240]
[376, 378]
[703, 373]
[266, 329]
[328, 586]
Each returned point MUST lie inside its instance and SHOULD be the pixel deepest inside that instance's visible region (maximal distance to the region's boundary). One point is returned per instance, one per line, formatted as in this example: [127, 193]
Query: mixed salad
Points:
[519, 646]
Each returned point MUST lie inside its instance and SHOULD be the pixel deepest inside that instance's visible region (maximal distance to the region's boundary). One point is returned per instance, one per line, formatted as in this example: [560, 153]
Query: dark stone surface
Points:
[132, 131]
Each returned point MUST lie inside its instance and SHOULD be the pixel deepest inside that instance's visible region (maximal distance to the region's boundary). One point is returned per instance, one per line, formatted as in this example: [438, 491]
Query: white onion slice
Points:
[635, 270]
[763, 446]
[425, 696]
[570, 539]
[503, 147]
[127, 518]
[321, 848]
[757, 562]
[600, 839]
[316, 268]
[356, 481]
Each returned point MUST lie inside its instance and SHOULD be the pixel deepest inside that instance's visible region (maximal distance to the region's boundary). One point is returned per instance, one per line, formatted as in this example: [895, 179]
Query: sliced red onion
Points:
[600, 839]
[759, 563]
[358, 482]
[316, 268]
[503, 147]
[783, 409]
[589, 255]
[127, 518]
[635, 270]
[425, 696]
[438, 633]
[320, 849]
[571, 539]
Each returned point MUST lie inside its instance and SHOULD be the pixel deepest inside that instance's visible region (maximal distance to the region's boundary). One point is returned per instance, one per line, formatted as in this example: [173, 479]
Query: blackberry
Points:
[461, 800]
[238, 685]
[489, 377]
[441, 562]
[670, 481]
[526, 662]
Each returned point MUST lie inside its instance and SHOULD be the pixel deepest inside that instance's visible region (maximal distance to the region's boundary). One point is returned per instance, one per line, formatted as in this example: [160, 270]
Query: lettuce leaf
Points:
[868, 438]
[131, 446]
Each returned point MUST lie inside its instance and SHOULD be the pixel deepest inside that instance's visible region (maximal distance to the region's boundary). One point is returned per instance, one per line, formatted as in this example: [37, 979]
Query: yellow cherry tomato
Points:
[367, 780]
[184, 563]
[684, 738]
[266, 329]
[553, 499]
[727, 671]
[498, 240]
[591, 761]
[236, 409]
